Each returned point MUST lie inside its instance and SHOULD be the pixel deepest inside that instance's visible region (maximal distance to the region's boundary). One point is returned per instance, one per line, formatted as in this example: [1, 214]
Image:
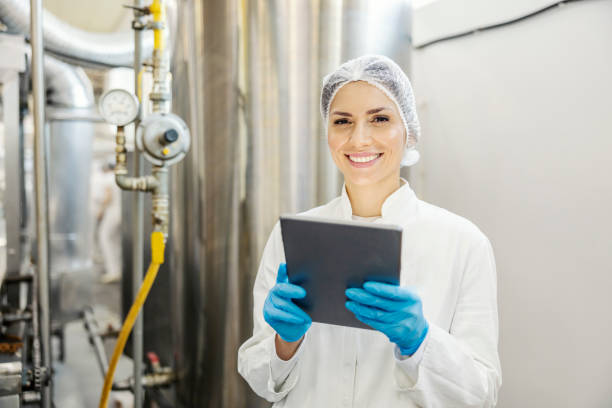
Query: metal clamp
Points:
[159, 96]
[155, 25]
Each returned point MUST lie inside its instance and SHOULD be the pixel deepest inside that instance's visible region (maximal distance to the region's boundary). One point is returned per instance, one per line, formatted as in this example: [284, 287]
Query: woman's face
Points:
[365, 134]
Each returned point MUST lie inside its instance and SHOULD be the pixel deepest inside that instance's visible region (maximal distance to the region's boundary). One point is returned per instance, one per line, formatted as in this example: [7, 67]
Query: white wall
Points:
[517, 137]
[439, 18]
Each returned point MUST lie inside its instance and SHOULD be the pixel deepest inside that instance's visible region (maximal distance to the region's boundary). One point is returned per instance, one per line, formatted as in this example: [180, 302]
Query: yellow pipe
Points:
[159, 16]
[157, 258]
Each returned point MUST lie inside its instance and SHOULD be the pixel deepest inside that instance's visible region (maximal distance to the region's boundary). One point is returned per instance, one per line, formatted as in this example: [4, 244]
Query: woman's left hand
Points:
[393, 310]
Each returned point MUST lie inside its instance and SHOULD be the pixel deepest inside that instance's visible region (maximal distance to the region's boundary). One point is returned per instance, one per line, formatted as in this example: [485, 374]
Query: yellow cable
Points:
[157, 258]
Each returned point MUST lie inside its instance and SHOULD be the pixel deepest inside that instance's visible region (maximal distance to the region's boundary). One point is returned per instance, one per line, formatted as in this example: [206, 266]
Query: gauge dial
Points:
[118, 107]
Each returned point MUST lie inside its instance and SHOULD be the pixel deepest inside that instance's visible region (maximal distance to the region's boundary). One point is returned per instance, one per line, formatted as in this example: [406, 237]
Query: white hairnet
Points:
[387, 76]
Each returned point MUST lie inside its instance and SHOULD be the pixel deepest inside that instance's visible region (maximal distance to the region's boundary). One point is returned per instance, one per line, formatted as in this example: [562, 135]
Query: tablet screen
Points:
[327, 256]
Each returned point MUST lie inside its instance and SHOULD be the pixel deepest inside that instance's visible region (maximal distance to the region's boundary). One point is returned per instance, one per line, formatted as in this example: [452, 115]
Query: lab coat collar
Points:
[399, 208]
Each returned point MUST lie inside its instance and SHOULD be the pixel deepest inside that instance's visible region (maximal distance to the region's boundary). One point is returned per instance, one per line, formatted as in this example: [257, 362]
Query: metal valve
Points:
[163, 138]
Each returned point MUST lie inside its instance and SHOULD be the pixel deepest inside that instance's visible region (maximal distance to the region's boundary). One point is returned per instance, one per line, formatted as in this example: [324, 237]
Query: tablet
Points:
[327, 256]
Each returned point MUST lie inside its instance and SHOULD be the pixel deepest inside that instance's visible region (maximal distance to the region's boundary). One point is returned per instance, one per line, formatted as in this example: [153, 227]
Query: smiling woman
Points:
[434, 338]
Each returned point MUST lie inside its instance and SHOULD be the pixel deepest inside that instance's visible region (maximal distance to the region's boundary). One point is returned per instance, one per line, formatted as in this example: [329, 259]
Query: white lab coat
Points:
[450, 263]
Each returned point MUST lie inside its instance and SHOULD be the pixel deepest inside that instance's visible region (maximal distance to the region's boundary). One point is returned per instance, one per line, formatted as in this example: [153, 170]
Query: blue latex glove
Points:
[285, 317]
[395, 311]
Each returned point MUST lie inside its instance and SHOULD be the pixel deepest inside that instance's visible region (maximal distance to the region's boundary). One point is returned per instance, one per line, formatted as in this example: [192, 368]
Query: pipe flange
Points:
[163, 138]
[159, 96]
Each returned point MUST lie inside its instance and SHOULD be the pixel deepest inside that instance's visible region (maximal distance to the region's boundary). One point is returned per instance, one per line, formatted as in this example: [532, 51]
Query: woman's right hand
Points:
[285, 317]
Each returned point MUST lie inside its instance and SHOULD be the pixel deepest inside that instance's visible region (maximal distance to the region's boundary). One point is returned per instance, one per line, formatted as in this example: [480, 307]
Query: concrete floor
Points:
[78, 380]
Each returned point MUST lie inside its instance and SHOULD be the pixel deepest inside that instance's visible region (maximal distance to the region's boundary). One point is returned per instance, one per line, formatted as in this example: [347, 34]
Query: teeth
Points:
[364, 159]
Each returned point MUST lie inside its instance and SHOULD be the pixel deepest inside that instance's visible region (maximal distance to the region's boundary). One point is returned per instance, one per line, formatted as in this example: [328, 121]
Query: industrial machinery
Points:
[163, 138]
[46, 226]
[25, 322]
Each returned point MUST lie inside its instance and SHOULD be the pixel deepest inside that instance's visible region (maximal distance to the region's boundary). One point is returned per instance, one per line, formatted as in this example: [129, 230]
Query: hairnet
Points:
[387, 76]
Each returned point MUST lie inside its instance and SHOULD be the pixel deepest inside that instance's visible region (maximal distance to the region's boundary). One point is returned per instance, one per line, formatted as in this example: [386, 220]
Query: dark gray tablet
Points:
[327, 256]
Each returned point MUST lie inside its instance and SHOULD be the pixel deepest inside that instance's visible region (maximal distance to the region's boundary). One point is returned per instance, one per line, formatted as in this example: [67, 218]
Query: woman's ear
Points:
[410, 140]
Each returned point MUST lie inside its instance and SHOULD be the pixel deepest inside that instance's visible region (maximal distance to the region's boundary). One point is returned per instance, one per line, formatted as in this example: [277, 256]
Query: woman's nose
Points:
[360, 136]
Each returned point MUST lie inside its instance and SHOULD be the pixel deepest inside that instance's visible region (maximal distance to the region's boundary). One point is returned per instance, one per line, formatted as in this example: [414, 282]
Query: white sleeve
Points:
[258, 363]
[461, 368]
[410, 364]
[279, 368]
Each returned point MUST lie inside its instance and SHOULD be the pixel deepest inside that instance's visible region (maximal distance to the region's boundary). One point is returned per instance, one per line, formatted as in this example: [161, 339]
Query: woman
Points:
[434, 338]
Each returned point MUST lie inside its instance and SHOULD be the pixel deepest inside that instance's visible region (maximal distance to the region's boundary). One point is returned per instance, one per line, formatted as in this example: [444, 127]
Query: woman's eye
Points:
[381, 119]
[340, 121]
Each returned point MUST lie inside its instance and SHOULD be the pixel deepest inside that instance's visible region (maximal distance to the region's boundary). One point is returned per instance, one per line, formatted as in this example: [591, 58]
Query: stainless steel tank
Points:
[247, 76]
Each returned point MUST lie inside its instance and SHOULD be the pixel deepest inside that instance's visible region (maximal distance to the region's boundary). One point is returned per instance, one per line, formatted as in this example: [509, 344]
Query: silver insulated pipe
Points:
[67, 86]
[111, 49]
[69, 108]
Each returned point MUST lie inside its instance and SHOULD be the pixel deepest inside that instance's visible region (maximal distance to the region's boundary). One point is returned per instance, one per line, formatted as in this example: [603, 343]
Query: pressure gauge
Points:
[118, 107]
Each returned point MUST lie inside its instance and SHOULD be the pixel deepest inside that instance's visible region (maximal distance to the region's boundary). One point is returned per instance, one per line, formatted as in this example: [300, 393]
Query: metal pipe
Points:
[158, 380]
[67, 86]
[160, 94]
[20, 316]
[107, 49]
[125, 182]
[36, 353]
[160, 202]
[17, 279]
[92, 328]
[158, 182]
[161, 98]
[137, 217]
[13, 199]
[38, 90]
[69, 102]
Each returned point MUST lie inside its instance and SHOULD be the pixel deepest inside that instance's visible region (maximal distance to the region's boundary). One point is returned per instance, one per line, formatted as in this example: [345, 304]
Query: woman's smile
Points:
[365, 159]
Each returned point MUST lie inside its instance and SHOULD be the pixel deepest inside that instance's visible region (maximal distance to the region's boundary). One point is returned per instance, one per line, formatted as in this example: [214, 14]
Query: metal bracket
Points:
[142, 11]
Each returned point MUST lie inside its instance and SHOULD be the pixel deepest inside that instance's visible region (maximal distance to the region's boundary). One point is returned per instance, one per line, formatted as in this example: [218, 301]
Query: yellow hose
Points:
[159, 16]
[157, 258]
[139, 85]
